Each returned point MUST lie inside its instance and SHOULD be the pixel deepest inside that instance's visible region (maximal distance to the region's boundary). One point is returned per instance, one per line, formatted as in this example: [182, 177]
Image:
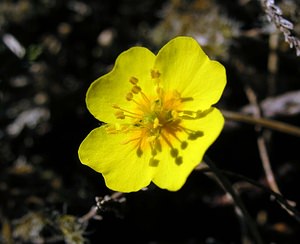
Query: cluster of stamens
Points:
[153, 120]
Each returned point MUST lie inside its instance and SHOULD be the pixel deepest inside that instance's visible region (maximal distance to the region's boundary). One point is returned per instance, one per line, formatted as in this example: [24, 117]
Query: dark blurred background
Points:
[52, 50]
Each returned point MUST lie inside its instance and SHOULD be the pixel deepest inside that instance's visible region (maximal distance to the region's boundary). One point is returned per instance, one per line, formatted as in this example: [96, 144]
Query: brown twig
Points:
[272, 62]
[262, 143]
[262, 148]
[267, 123]
[277, 197]
[101, 203]
[92, 214]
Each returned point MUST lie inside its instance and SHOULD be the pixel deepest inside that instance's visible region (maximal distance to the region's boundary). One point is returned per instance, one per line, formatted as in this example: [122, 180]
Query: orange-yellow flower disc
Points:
[158, 116]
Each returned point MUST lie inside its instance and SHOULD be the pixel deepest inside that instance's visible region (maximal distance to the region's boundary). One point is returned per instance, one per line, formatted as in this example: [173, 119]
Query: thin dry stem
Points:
[262, 147]
[92, 214]
[266, 123]
[262, 143]
[273, 62]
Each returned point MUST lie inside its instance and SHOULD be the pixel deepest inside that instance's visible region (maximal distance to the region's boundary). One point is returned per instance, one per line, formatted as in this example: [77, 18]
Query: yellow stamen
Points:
[155, 74]
[125, 110]
[130, 140]
[136, 89]
[133, 80]
[120, 115]
[129, 96]
[155, 120]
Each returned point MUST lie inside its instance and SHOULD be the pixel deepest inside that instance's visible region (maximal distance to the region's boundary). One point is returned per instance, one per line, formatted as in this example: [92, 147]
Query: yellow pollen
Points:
[155, 74]
[112, 129]
[133, 80]
[136, 89]
[129, 96]
[120, 115]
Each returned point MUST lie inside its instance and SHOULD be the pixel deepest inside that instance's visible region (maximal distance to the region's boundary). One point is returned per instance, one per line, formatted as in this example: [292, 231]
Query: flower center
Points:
[156, 122]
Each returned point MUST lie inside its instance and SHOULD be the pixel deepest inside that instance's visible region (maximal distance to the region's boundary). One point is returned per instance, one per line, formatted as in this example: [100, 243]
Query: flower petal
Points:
[173, 169]
[112, 88]
[183, 66]
[122, 169]
[164, 149]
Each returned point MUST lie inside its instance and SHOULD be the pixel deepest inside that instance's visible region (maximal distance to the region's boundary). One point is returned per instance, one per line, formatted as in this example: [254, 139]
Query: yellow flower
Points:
[158, 116]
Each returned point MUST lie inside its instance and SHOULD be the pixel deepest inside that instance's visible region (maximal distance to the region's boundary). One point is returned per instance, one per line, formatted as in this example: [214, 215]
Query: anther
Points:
[129, 96]
[174, 152]
[136, 89]
[155, 74]
[120, 115]
[153, 162]
[184, 145]
[133, 80]
[110, 130]
[153, 150]
[186, 99]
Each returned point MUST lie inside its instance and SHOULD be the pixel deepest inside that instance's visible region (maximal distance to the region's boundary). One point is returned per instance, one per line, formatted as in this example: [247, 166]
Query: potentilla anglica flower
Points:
[158, 116]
